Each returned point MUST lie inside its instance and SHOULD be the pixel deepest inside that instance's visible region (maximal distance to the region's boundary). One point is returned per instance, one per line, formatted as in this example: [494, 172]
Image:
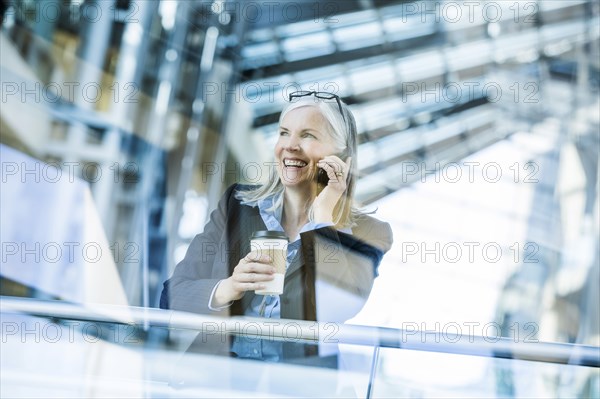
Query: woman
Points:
[329, 240]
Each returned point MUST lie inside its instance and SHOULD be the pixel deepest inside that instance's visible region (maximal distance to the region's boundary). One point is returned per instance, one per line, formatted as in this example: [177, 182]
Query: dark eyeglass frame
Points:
[319, 94]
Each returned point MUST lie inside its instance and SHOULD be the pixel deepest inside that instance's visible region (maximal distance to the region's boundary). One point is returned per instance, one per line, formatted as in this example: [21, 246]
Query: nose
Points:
[293, 144]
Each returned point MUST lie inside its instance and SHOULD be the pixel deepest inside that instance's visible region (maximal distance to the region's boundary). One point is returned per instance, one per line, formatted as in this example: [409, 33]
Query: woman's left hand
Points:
[337, 171]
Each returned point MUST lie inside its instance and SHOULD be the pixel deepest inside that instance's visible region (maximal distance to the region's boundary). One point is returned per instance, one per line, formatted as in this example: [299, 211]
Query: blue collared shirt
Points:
[256, 348]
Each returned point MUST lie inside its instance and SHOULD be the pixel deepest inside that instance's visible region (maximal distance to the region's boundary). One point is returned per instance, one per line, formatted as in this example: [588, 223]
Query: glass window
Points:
[306, 46]
[357, 36]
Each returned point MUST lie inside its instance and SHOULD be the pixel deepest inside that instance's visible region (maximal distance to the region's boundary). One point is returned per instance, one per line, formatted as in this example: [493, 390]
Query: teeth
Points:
[290, 162]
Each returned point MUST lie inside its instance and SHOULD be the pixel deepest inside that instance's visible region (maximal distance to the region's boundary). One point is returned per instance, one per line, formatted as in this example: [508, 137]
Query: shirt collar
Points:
[272, 217]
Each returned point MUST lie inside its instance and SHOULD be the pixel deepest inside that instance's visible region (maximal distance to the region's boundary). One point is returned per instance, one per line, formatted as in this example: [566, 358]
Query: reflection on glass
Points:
[434, 375]
[510, 166]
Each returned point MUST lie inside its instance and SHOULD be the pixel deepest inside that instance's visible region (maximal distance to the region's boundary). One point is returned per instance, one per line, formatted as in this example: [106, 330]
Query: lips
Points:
[294, 163]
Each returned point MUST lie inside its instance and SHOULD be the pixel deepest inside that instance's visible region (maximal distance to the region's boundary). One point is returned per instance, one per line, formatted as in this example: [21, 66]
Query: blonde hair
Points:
[343, 131]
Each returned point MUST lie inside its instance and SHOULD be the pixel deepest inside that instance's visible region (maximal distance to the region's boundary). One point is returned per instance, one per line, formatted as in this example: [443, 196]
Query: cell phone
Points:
[322, 179]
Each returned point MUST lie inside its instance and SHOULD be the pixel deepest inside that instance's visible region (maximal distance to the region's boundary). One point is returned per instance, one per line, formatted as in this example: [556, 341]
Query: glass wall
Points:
[124, 123]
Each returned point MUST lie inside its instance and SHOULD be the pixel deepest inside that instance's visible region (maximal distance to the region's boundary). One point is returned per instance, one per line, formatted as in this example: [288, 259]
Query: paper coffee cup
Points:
[273, 244]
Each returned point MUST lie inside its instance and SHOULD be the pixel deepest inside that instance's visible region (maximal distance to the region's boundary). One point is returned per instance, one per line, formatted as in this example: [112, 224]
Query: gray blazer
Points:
[349, 261]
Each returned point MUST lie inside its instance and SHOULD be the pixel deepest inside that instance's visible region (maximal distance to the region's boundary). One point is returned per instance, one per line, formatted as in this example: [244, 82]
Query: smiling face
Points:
[304, 139]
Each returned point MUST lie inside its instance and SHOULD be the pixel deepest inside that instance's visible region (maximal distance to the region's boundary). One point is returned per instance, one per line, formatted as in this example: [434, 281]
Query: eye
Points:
[283, 133]
[309, 135]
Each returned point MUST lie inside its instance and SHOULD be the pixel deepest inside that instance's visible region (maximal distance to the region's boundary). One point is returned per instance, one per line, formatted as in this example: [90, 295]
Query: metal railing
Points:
[308, 331]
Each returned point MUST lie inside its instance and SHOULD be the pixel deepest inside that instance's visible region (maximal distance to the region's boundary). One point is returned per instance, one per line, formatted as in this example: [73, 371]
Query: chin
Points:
[290, 177]
[291, 183]
[301, 181]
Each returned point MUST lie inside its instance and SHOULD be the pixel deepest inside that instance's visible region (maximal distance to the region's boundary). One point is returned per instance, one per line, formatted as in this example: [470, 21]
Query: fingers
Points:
[252, 271]
[336, 163]
[253, 277]
[335, 160]
[255, 256]
[254, 262]
[250, 281]
[335, 171]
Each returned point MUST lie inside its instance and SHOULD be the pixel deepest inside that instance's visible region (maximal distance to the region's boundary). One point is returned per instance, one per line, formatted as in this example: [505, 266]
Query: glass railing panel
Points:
[93, 356]
[413, 374]
[54, 349]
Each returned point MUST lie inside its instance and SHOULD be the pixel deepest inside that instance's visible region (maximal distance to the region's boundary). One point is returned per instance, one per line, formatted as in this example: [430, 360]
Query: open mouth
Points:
[294, 163]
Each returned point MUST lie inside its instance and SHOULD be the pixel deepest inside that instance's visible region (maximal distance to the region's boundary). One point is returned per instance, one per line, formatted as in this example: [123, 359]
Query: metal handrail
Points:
[308, 331]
